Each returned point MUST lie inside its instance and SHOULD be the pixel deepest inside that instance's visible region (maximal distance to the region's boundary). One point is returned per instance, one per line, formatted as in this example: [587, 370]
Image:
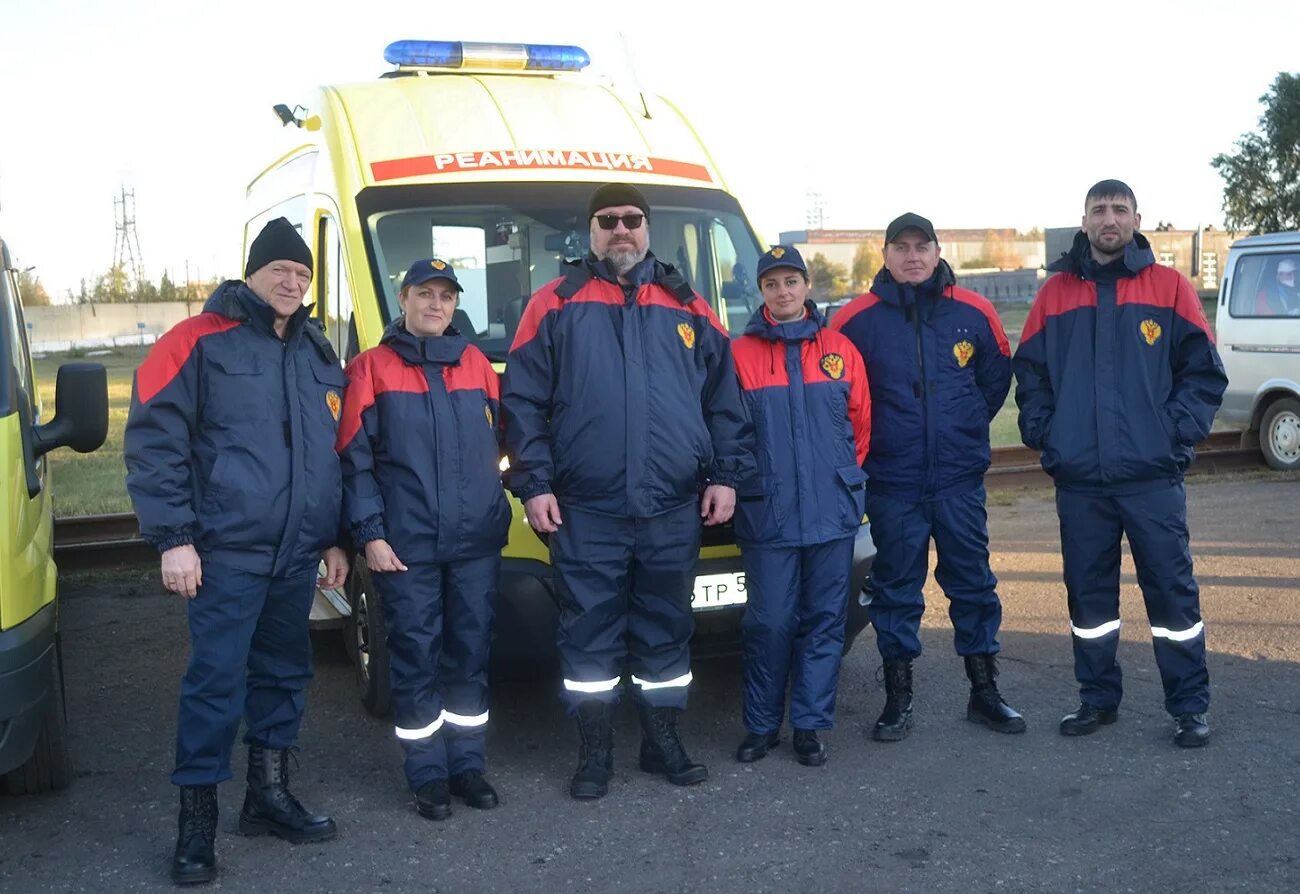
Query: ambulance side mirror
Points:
[80, 410]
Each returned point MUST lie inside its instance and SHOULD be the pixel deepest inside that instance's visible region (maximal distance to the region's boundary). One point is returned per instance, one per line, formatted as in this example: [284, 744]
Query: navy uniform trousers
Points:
[625, 587]
[250, 655]
[794, 630]
[439, 619]
[1156, 525]
[902, 531]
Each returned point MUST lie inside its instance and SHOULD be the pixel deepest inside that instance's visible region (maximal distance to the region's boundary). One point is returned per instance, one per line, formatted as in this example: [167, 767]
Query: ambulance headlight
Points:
[465, 55]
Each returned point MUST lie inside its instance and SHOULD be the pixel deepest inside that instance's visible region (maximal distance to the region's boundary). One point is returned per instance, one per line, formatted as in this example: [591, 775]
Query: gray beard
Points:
[621, 261]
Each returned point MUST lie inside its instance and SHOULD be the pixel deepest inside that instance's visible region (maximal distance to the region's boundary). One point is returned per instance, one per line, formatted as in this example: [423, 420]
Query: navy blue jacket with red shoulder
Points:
[1116, 373]
[806, 389]
[622, 399]
[420, 449]
[230, 438]
[939, 365]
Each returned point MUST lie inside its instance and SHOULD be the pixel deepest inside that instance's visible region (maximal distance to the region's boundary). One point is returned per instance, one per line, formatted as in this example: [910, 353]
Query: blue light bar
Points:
[486, 56]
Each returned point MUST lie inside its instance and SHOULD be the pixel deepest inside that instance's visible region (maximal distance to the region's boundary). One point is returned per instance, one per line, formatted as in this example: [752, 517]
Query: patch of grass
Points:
[92, 483]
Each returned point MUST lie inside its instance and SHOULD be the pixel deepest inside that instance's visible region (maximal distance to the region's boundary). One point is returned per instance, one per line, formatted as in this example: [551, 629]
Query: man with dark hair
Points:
[939, 366]
[624, 427]
[1117, 377]
[231, 468]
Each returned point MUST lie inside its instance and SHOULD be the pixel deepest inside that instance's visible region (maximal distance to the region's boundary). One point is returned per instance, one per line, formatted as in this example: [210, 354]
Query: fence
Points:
[62, 327]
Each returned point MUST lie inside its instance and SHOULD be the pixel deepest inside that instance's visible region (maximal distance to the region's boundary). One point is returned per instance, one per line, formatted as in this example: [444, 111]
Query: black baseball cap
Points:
[909, 221]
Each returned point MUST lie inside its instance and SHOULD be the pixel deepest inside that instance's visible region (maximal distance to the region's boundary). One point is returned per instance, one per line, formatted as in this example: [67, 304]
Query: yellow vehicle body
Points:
[33, 742]
[491, 168]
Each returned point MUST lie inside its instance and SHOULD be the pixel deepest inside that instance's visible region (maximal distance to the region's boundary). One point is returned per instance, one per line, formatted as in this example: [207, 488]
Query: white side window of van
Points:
[22, 361]
[334, 295]
[1266, 285]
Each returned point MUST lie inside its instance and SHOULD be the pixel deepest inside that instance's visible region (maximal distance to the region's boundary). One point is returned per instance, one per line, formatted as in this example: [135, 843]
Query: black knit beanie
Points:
[278, 241]
[612, 195]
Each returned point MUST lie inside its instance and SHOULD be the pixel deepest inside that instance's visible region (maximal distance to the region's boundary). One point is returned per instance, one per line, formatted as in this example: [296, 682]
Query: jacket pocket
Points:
[233, 393]
[756, 518]
[853, 495]
[326, 399]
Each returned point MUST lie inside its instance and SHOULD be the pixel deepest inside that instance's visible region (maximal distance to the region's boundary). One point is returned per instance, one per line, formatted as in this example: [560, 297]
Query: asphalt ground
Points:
[953, 808]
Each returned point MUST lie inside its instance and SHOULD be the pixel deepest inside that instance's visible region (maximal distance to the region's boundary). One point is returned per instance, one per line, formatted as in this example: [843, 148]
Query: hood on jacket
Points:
[442, 350]
[893, 292]
[235, 300]
[1079, 261]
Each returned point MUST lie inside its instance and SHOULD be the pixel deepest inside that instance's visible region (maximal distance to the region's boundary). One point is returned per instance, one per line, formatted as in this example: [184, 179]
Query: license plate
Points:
[717, 590]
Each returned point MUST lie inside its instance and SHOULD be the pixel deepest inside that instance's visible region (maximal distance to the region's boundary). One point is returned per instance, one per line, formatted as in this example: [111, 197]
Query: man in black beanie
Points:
[625, 429]
[231, 468]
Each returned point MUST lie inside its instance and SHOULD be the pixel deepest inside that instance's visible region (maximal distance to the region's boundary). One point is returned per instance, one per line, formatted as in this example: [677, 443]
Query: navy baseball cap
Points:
[780, 256]
[431, 268]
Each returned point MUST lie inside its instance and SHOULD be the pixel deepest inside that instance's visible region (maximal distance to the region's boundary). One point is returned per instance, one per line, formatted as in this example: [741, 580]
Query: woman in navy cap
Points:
[806, 389]
[422, 494]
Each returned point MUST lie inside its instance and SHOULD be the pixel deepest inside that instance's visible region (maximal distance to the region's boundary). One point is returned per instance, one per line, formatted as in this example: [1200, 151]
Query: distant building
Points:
[1197, 254]
[1015, 250]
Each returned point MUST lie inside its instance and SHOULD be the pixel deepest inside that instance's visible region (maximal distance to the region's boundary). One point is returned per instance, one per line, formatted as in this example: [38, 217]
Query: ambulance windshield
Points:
[506, 240]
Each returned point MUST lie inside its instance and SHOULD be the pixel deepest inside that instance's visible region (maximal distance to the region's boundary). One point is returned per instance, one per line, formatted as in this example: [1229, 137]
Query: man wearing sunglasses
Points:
[624, 428]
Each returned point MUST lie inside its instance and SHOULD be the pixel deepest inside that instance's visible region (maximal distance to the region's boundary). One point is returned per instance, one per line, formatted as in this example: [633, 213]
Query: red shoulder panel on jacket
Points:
[852, 309]
[657, 296]
[1062, 293]
[371, 373]
[473, 373]
[544, 301]
[984, 306]
[1165, 287]
[759, 363]
[171, 351]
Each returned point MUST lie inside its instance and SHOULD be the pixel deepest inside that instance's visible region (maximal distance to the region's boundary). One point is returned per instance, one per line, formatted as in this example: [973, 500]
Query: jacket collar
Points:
[440, 350]
[763, 326]
[893, 292]
[1079, 261]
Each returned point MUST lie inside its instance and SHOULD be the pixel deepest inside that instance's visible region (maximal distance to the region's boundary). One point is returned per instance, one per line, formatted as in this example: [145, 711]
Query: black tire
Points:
[1279, 434]
[367, 642]
[50, 767]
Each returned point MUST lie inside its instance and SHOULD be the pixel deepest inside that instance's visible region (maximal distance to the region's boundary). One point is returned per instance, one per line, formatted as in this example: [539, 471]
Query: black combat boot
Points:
[269, 806]
[895, 721]
[195, 859]
[755, 746]
[808, 749]
[433, 800]
[1087, 719]
[1191, 731]
[661, 749]
[596, 753]
[474, 789]
[986, 705]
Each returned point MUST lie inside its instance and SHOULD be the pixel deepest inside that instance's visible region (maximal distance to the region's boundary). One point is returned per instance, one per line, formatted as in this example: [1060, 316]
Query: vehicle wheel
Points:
[1279, 434]
[49, 768]
[367, 641]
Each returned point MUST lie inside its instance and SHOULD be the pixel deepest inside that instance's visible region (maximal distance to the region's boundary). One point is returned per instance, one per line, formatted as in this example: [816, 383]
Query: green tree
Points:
[829, 280]
[867, 261]
[111, 287]
[167, 290]
[1261, 179]
[33, 294]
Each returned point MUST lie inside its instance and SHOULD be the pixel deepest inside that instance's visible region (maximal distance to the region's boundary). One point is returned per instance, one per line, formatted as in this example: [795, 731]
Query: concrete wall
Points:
[65, 326]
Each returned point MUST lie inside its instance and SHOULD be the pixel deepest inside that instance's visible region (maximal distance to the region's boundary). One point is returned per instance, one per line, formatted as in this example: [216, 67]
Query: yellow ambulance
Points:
[33, 733]
[485, 155]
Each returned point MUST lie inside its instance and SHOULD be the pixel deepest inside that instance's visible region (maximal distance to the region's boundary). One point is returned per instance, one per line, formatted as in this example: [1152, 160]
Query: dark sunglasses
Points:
[609, 221]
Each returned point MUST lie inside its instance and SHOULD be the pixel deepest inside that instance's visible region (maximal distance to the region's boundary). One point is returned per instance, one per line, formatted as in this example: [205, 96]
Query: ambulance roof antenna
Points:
[636, 82]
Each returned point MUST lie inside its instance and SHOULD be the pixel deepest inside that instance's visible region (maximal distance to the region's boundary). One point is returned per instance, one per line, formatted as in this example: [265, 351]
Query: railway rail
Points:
[96, 541]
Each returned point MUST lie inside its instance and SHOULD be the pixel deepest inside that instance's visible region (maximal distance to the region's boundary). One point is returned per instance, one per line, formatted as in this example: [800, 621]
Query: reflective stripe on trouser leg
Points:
[767, 633]
[961, 540]
[660, 622]
[901, 531]
[1156, 524]
[412, 603]
[469, 598]
[221, 621]
[1090, 550]
[818, 647]
[591, 555]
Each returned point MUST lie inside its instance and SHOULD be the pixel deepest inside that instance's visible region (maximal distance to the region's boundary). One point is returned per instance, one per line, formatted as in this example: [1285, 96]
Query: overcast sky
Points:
[977, 115]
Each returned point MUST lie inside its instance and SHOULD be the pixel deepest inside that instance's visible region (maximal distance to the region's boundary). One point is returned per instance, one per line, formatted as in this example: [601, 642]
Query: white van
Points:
[1258, 325]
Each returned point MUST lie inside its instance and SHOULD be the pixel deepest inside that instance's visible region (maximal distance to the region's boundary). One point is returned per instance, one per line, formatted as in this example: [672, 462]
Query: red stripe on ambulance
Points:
[506, 159]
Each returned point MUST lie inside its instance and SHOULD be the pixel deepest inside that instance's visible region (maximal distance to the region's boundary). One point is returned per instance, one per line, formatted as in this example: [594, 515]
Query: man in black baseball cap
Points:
[939, 365]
